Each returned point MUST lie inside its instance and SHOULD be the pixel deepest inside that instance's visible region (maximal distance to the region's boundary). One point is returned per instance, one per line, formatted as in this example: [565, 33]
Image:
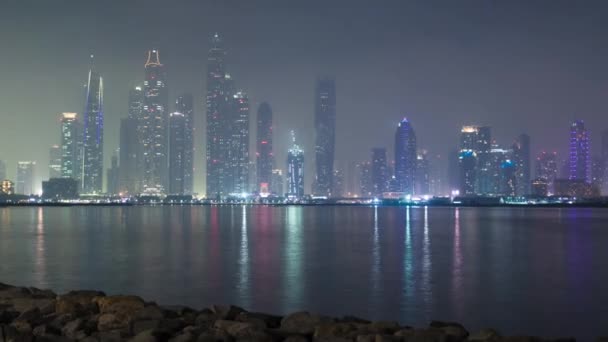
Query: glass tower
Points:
[405, 157]
[580, 159]
[325, 135]
[92, 162]
[264, 154]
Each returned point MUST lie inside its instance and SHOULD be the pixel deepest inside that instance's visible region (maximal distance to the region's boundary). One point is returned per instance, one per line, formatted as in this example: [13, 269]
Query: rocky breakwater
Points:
[32, 315]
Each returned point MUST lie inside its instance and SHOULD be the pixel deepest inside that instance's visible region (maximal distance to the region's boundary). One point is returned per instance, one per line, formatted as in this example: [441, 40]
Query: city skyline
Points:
[367, 116]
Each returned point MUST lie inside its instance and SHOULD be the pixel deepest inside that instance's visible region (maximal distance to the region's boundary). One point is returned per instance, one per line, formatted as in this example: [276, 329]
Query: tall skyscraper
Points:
[338, 184]
[508, 178]
[153, 125]
[380, 175]
[500, 166]
[604, 156]
[521, 159]
[2, 170]
[129, 179]
[547, 168]
[325, 135]
[112, 177]
[25, 177]
[92, 163]
[185, 105]
[295, 170]
[277, 182]
[238, 153]
[366, 186]
[405, 157]
[71, 146]
[177, 128]
[483, 147]
[217, 117]
[422, 184]
[467, 160]
[55, 161]
[264, 153]
[580, 158]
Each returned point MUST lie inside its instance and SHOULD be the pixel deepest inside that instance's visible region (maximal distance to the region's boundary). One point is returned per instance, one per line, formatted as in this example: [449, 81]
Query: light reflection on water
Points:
[519, 270]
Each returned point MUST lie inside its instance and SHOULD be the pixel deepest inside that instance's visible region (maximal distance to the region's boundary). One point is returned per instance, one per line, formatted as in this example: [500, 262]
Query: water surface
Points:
[520, 270]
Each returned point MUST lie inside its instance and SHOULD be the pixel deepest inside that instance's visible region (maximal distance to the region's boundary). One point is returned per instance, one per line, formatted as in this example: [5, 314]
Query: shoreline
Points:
[31, 314]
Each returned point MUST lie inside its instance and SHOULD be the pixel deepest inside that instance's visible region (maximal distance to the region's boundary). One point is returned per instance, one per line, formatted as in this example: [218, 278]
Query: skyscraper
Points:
[112, 177]
[177, 128]
[508, 178]
[264, 153]
[325, 134]
[71, 146]
[580, 158]
[467, 160]
[521, 159]
[129, 179]
[405, 157]
[55, 161]
[380, 176]
[92, 163]
[546, 168]
[238, 153]
[153, 125]
[25, 177]
[217, 117]
[277, 182]
[2, 170]
[423, 175]
[499, 160]
[604, 156]
[295, 170]
[366, 186]
[338, 184]
[483, 147]
[185, 105]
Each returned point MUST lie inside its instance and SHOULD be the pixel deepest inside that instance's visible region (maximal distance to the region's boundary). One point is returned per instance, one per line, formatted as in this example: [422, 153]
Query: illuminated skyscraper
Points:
[25, 177]
[130, 178]
[482, 148]
[264, 153]
[366, 186]
[185, 105]
[325, 135]
[546, 168]
[508, 178]
[405, 157]
[92, 162]
[580, 158]
[238, 153]
[277, 182]
[295, 170]
[521, 159]
[153, 125]
[380, 176]
[55, 162]
[338, 184]
[71, 146]
[498, 159]
[423, 174]
[218, 114]
[177, 128]
[604, 156]
[112, 178]
[467, 160]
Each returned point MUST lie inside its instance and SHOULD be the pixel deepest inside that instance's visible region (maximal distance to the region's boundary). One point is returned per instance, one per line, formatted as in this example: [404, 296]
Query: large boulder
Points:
[227, 312]
[302, 322]
[454, 332]
[123, 305]
[335, 331]
[485, 335]
[78, 302]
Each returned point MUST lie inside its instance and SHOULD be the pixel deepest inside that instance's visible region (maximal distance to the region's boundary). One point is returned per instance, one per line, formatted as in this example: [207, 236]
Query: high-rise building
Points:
[453, 171]
[467, 160]
[580, 158]
[25, 177]
[7, 187]
[483, 148]
[238, 153]
[2, 170]
[508, 178]
[71, 147]
[380, 175]
[295, 170]
[277, 182]
[153, 125]
[405, 157]
[112, 177]
[604, 156]
[92, 163]
[177, 128]
[130, 148]
[499, 158]
[338, 184]
[423, 174]
[55, 161]
[547, 169]
[325, 135]
[366, 186]
[264, 153]
[185, 105]
[218, 115]
[521, 159]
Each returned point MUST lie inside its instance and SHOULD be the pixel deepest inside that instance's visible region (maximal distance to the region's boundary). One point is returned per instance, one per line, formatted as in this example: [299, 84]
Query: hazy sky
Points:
[518, 66]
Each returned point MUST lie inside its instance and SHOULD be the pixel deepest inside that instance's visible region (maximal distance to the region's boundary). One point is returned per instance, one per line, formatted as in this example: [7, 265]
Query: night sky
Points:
[518, 66]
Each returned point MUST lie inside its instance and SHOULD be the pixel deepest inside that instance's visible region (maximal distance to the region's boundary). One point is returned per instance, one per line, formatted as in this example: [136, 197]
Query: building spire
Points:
[216, 41]
[153, 58]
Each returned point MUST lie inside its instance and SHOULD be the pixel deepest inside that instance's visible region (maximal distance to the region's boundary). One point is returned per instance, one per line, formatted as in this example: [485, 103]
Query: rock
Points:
[455, 332]
[12, 334]
[124, 305]
[302, 322]
[7, 316]
[185, 337]
[296, 338]
[145, 336]
[10, 293]
[261, 319]
[205, 318]
[421, 335]
[71, 328]
[171, 325]
[227, 312]
[78, 302]
[383, 327]
[31, 316]
[107, 336]
[521, 339]
[149, 313]
[111, 321]
[333, 331]
[42, 293]
[52, 338]
[144, 325]
[485, 335]
[353, 319]
[45, 305]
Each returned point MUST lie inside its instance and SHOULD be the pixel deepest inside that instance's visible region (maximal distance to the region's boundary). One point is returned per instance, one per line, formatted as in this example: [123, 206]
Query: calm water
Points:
[540, 271]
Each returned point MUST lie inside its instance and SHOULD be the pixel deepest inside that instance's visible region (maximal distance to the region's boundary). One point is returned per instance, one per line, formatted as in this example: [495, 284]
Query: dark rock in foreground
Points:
[34, 315]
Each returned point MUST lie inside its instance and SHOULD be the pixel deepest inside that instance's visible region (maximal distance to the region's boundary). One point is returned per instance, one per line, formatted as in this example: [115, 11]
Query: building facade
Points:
[405, 157]
[264, 152]
[295, 170]
[380, 175]
[71, 147]
[521, 158]
[55, 161]
[130, 180]
[325, 135]
[579, 158]
[25, 178]
[92, 161]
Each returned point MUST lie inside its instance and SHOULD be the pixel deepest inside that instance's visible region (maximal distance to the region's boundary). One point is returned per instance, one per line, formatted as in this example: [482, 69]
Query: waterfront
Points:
[520, 270]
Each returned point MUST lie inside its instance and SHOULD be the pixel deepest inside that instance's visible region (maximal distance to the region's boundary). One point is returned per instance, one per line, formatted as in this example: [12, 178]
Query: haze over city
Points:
[516, 66]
